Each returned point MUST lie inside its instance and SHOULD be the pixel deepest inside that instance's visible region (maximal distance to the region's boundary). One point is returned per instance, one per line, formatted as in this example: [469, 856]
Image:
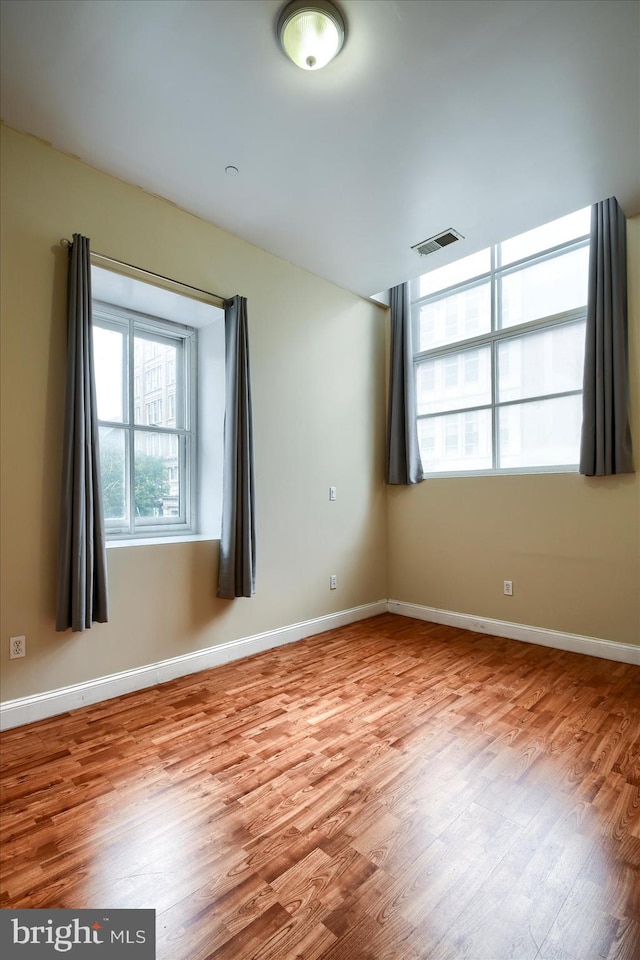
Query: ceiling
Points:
[488, 116]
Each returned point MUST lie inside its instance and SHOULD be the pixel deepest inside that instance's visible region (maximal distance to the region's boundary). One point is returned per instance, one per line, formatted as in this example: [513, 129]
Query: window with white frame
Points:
[159, 372]
[499, 352]
[147, 461]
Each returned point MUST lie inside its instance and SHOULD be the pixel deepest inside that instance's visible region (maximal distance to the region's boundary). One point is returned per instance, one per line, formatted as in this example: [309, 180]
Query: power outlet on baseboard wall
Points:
[17, 647]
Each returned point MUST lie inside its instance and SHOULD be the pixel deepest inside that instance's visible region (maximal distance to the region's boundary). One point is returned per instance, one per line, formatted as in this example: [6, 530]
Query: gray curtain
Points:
[403, 453]
[606, 433]
[237, 574]
[82, 561]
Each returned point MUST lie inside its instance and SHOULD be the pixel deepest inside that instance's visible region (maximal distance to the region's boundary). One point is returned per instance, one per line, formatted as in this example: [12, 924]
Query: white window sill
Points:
[506, 472]
[155, 541]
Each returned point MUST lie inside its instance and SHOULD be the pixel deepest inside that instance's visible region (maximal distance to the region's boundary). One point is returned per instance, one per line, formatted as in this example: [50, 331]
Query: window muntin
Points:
[147, 457]
[499, 356]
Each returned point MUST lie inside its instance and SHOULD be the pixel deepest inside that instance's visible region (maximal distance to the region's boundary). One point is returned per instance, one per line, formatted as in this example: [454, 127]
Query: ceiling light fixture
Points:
[311, 33]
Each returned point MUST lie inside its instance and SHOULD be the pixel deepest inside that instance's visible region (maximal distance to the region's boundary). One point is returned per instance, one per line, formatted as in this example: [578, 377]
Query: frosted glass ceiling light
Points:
[311, 33]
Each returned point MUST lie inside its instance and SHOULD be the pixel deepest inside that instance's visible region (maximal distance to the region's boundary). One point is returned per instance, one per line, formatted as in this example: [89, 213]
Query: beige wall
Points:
[570, 544]
[317, 356]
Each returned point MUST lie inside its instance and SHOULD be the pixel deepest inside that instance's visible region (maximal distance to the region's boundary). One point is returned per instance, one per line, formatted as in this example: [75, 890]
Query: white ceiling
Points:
[488, 116]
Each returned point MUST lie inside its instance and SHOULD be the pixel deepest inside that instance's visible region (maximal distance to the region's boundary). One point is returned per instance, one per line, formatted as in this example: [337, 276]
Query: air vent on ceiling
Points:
[438, 242]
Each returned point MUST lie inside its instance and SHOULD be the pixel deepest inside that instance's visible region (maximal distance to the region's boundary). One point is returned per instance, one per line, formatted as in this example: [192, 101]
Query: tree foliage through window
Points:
[151, 482]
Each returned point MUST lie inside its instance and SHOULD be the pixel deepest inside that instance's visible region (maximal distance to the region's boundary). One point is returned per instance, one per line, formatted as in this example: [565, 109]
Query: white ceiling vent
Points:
[438, 242]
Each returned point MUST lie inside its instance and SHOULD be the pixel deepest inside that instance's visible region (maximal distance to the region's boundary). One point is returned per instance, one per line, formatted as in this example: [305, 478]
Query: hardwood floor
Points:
[391, 790]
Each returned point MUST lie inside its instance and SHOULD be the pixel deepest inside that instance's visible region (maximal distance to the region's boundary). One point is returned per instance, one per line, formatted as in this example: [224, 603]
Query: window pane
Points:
[456, 442]
[457, 317]
[113, 470]
[109, 359]
[545, 289]
[157, 476]
[542, 433]
[549, 361]
[549, 235]
[456, 380]
[156, 367]
[456, 272]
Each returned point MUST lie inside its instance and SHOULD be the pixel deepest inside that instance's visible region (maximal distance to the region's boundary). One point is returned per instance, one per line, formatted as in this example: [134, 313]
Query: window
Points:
[451, 371]
[160, 398]
[471, 434]
[154, 412]
[500, 352]
[147, 462]
[471, 366]
[451, 436]
[153, 376]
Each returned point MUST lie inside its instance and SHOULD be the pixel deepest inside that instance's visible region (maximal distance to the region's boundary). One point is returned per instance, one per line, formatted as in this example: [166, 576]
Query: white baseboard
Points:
[15, 713]
[573, 642]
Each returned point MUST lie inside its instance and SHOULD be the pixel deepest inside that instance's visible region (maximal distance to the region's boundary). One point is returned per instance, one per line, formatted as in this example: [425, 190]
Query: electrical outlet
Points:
[17, 647]
[508, 588]
[333, 582]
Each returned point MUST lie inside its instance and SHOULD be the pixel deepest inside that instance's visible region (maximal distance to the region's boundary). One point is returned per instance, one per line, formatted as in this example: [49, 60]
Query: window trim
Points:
[133, 324]
[492, 339]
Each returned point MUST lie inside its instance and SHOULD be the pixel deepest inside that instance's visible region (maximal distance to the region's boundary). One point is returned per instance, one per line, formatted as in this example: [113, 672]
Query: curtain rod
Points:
[209, 293]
